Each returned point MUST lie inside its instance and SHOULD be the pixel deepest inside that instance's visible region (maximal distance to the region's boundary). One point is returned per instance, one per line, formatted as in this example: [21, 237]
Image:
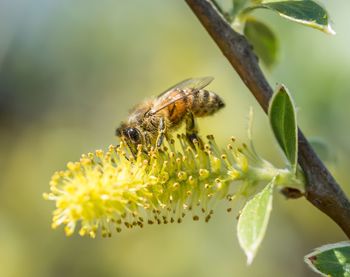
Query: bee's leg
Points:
[148, 142]
[192, 130]
[131, 147]
[161, 132]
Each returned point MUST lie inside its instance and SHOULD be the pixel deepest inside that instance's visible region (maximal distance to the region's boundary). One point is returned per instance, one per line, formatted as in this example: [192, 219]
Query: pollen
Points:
[109, 191]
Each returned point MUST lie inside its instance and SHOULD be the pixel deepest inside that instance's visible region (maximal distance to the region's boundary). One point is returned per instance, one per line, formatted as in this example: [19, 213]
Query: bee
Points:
[153, 120]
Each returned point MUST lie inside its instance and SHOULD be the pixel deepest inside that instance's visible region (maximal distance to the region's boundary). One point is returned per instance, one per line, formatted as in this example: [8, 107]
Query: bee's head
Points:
[130, 134]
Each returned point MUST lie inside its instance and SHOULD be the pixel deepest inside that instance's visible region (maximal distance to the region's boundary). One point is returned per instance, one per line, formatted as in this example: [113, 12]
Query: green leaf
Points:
[284, 124]
[308, 13]
[238, 4]
[237, 7]
[331, 260]
[253, 221]
[263, 39]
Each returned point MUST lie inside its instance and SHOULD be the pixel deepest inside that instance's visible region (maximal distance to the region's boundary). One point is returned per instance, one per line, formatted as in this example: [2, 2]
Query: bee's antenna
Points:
[118, 132]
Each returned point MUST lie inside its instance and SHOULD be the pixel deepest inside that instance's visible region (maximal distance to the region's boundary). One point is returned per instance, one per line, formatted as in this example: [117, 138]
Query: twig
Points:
[322, 190]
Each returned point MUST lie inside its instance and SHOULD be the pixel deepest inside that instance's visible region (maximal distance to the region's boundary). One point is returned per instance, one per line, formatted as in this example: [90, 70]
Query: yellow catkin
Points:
[113, 190]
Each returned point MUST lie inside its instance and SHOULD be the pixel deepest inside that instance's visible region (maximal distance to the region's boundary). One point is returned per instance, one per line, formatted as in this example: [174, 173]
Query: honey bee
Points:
[153, 120]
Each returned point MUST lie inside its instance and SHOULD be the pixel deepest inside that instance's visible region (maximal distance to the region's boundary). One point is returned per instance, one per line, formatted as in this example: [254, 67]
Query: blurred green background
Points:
[69, 72]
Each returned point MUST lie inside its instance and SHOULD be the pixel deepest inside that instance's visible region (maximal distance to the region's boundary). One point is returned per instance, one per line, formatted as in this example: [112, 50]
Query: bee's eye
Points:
[134, 135]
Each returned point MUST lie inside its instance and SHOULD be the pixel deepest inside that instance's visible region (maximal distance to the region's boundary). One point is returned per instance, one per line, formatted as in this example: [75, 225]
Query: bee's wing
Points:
[191, 83]
[167, 97]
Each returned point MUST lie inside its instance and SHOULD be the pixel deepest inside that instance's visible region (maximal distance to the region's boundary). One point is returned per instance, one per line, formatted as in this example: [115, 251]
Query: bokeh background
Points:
[69, 72]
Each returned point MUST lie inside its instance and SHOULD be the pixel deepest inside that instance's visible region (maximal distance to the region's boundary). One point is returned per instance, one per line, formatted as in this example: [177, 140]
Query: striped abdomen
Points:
[205, 103]
[200, 103]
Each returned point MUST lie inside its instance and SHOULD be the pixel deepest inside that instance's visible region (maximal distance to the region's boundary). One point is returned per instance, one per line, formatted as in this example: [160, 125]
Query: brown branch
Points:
[321, 190]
